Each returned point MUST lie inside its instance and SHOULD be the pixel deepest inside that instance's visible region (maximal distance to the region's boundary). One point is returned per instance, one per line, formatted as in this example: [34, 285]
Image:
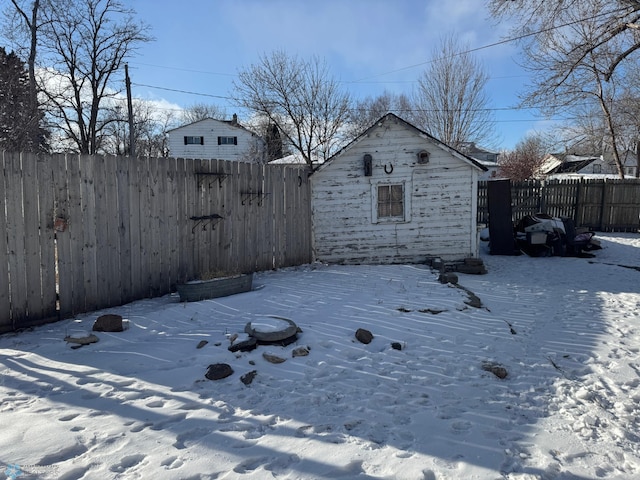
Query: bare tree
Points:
[85, 43]
[564, 83]
[200, 111]
[543, 23]
[151, 126]
[525, 161]
[450, 102]
[299, 97]
[151, 129]
[365, 112]
[579, 52]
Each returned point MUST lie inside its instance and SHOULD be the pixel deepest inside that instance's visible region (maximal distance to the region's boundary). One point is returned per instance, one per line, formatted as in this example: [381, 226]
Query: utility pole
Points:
[132, 143]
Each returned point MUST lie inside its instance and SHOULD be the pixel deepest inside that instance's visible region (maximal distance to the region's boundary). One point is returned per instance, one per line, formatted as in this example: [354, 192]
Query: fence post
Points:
[602, 205]
[578, 199]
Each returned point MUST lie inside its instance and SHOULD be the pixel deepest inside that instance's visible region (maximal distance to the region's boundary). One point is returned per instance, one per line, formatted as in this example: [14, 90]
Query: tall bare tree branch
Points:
[450, 101]
[300, 97]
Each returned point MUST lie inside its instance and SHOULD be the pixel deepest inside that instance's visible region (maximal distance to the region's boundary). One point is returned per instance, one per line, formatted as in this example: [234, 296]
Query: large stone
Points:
[448, 277]
[81, 341]
[364, 336]
[271, 358]
[272, 329]
[495, 368]
[108, 323]
[244, 346]
[473, 261]
[248, 377]
[471, 265]
[300, 352]
[218, 371]
[473, 301]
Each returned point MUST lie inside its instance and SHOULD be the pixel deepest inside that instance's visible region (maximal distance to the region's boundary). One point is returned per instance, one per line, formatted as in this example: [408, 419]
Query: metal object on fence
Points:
[60, 224]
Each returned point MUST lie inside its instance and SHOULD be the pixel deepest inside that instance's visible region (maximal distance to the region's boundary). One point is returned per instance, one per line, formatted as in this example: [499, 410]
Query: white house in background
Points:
[395, 194]
[485, 157]
[630, 163]
[219, 139]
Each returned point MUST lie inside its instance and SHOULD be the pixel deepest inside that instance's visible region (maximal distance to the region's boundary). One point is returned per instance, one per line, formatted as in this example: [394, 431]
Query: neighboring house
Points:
[629, 163]
[487, 158]
[219, 139]
[395, 194]
[563, 163]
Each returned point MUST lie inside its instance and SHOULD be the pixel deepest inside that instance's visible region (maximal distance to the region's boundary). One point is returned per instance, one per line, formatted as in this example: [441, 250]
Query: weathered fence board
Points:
[5, 305]
[47, 273]
[16, 233]
[90, 232]
[599, 204]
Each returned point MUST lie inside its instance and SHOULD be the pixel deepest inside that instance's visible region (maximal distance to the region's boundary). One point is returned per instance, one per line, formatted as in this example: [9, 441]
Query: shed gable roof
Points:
[392, 117]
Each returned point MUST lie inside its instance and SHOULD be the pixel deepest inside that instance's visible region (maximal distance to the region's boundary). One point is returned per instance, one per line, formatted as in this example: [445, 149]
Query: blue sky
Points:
[369, 45]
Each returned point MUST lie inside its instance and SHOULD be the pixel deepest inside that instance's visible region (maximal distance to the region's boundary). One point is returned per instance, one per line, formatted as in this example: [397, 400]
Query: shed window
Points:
[391, 201]
[227, 140]
[193, 140]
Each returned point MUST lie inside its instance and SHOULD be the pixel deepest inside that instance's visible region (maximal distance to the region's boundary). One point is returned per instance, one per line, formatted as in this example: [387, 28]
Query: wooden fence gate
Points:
[91, 232]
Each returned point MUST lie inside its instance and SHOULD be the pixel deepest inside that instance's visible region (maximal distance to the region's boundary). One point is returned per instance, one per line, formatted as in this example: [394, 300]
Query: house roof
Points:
[565, 163]
[392, 117]
[471, 148]
[232, 123]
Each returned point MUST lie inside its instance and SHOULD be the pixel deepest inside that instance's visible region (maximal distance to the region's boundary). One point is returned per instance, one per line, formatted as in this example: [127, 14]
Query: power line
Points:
[185, 69]
[181, 91]
[495, 44]
[413, 110]
[363, 80]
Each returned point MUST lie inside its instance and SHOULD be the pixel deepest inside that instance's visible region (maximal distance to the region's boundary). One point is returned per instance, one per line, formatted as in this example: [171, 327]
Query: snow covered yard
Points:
[137, 405]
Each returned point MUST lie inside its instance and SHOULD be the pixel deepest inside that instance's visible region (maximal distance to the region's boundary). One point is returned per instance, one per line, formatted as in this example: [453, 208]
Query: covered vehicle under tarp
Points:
[543, 235]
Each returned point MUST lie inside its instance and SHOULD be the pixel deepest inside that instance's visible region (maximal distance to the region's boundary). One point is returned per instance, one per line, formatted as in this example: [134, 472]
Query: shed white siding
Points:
[440, 201]
[247, 147]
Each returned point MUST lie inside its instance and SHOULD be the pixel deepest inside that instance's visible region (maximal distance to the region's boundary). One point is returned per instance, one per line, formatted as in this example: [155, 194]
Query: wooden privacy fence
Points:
[601, 204]
[81, 233]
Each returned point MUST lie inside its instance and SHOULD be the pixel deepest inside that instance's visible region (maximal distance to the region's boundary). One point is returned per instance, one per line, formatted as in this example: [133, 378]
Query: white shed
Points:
[395, 194]
[219, 139]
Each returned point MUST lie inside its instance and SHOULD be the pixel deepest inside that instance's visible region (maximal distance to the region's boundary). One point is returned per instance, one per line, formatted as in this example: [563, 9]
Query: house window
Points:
[390, 201]
[227, 140]
[597, 168]
[193, 140]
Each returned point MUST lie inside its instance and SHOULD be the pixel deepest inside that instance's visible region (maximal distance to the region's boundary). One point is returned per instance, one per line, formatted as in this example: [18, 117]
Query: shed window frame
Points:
[377, 213]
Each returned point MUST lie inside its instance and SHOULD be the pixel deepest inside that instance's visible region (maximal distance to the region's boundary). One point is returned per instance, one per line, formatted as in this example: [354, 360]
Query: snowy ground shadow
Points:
[347, 410]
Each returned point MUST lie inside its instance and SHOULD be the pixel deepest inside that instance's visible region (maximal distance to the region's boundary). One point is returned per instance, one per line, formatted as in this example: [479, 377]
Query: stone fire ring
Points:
[271, 329]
